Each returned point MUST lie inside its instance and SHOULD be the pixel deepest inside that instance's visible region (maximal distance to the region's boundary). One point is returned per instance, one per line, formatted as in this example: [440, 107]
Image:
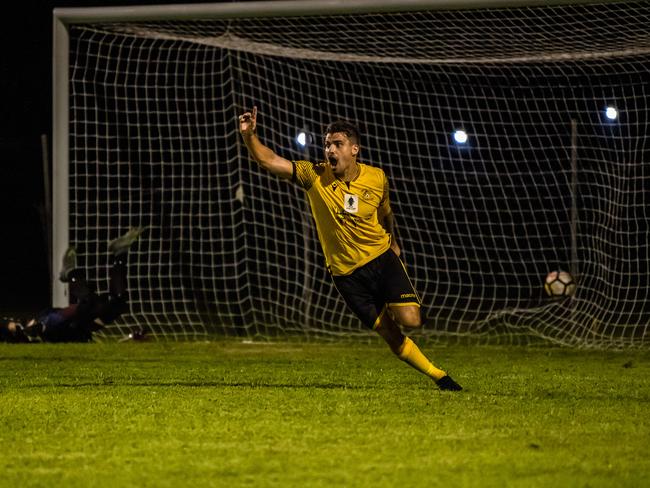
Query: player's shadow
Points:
[201, 384]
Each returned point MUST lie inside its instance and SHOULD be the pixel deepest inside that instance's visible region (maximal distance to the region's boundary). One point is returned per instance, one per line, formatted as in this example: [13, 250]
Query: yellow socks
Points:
[411, 354]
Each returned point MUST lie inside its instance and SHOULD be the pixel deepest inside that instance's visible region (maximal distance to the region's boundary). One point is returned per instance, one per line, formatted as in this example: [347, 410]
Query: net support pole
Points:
[306, 220]
[47, 205]
[574, 198]
[60, 155]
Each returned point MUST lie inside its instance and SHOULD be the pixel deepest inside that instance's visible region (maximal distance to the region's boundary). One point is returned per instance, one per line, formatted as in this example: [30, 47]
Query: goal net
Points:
[545, 180]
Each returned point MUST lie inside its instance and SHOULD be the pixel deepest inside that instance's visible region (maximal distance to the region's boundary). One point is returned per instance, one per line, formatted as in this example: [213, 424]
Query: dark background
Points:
[26, 78]
[580, 93]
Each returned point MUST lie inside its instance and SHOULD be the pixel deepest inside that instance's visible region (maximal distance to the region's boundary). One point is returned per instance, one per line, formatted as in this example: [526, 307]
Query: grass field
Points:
[231, 414]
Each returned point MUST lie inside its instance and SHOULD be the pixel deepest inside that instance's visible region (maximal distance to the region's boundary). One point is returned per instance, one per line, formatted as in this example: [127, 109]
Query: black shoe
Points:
[448, 384]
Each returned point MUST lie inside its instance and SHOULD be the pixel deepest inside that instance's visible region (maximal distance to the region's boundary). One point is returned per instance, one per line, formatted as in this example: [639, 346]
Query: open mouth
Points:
[333, 162]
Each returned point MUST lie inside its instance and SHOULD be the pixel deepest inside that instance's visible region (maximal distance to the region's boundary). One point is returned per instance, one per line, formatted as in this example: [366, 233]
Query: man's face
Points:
[340, 152]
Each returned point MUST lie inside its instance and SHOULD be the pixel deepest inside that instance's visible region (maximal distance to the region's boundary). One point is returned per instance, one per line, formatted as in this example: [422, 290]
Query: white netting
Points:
[233, 250]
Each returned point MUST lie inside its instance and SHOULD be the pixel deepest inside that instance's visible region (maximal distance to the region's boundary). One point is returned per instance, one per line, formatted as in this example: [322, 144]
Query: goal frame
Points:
[63, 18]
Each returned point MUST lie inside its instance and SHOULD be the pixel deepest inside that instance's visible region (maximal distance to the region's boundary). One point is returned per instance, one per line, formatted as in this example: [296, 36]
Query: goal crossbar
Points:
[285, 8]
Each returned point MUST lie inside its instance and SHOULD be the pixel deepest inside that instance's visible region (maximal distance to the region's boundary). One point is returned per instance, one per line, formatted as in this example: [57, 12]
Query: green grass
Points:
[232, 414]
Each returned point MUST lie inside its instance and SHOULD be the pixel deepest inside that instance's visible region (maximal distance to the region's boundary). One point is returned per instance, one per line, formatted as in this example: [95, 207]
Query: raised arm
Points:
[264, 156]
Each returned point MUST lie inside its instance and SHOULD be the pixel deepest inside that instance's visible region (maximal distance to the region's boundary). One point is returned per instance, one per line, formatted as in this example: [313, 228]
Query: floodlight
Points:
[460, 136]
[611, 113]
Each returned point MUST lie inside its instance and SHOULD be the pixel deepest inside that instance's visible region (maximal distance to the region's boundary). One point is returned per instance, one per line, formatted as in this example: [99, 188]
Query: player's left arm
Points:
[386, 218]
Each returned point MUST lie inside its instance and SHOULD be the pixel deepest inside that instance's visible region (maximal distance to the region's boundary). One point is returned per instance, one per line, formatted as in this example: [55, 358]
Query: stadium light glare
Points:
[460, 136]
[301, 139]
[611, 113]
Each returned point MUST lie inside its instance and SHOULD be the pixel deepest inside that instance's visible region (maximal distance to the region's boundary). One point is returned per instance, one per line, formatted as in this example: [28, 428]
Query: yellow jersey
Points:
[346, 214]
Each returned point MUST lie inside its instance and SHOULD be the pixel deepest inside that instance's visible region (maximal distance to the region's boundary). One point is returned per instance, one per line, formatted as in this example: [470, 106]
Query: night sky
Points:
[26, 65]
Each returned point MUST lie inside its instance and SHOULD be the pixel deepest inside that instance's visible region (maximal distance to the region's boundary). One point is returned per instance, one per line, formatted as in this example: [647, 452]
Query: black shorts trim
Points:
[369, 289]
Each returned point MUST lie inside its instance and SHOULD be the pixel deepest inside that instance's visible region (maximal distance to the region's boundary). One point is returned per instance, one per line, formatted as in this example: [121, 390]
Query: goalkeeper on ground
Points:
[90, 311]
[355, 225]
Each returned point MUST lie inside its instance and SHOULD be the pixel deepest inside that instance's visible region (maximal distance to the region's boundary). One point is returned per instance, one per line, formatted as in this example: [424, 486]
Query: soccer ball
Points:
[560, 284]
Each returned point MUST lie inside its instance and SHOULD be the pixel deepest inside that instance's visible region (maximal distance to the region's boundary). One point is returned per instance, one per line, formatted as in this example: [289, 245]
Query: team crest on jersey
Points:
[351, 203]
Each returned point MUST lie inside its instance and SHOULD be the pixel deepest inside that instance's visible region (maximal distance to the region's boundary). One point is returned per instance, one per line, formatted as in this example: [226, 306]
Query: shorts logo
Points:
[407, 295]
[350, 203]
[366, 195]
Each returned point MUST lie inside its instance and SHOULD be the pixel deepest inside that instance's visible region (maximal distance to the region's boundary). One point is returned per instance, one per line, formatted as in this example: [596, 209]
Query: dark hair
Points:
[347, 128]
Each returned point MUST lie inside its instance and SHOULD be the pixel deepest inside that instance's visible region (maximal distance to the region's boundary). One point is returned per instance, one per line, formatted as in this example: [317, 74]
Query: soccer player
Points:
[89, 313]
[356, 228]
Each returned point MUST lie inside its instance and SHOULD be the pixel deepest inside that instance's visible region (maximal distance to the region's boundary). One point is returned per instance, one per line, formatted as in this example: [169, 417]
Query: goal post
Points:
[145, 134]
